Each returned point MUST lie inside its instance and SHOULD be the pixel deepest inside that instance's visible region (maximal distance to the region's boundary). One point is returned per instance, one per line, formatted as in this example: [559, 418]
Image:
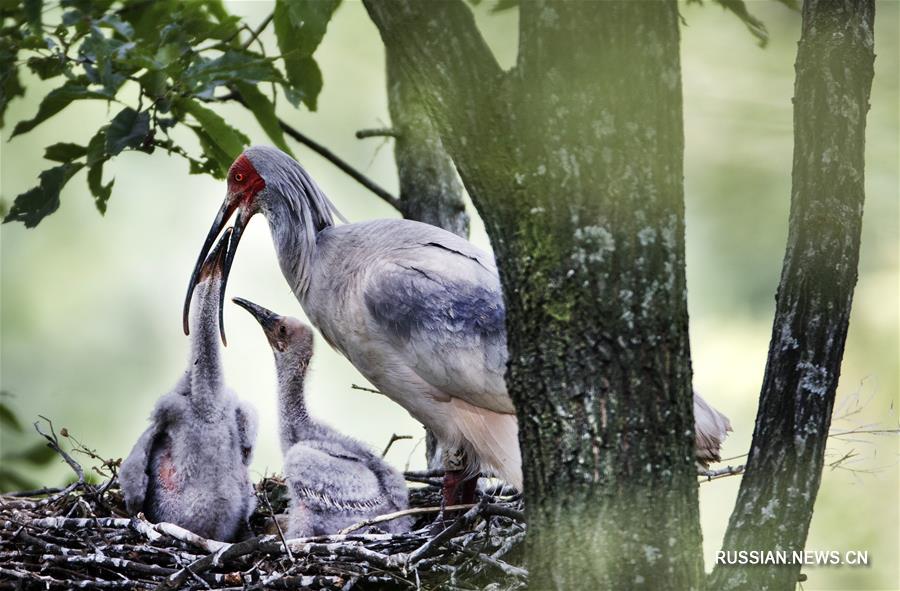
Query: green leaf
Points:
[113, 21]
[64, 152]
[105, 60]
[47, 67]
[33, 10]
[756, 27]
[307, 70]
[38, 454]
[216, 160]
[55, 101]
[34, 205]
[154, 83]
[308, 21]
[10, 85]
[100, 191]
[227, 139]
[128, 129]
[96, 150]
[232, 66]
[300, 26]
[264, 111]
[11, 480]
[9, 418]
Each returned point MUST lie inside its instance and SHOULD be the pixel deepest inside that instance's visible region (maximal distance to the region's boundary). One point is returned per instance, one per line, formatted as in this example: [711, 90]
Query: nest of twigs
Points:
[80, 537]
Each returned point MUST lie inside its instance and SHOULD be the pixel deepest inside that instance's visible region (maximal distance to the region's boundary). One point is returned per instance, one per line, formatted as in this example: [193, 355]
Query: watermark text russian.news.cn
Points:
[804, 557]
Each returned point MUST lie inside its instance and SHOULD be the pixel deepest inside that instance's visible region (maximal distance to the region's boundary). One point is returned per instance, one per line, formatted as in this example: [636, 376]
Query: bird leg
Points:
[458, 487]
[454, 461]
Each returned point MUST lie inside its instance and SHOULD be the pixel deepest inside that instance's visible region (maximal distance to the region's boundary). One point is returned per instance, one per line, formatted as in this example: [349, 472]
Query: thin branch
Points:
[404, 513]
[334, 159]
[284, 543]
[708, 475]
[256, 33]
[53, 442]
[379, 132]
[394, 438]
[432, 545]
[364, 389]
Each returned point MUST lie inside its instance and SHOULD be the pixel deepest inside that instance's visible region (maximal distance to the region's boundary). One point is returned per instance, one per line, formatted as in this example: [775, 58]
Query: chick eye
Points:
[238, 176]
[282, 331]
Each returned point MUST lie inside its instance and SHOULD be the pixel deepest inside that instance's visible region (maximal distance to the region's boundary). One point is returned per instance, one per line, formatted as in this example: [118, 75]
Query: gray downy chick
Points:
[190, 467]
[334, 480]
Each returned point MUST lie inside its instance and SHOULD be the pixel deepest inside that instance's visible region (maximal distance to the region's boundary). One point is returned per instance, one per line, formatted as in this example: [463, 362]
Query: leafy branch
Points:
[165, 65]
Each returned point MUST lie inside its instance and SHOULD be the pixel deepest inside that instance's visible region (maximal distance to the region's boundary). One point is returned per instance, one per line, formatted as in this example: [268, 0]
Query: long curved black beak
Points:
[266, 318]
[215, 262]
[228, 208]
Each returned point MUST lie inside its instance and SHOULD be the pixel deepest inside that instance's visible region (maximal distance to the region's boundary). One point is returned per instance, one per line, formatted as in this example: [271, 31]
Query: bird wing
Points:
[331, 477]
[134, 474]
[247, 423]
[438, 302]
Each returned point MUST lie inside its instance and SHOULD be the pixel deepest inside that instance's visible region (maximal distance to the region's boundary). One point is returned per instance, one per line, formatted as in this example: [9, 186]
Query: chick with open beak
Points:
[334, 480]
[190, 466]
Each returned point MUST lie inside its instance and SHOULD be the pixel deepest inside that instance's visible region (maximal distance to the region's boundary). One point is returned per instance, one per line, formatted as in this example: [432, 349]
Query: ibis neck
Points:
[295, 244]
[292, 412]
[205, 365]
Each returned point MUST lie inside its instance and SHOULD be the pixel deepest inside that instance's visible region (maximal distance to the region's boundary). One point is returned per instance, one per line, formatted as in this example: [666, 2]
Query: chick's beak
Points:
[267, 319]
[214, 264]
[233, 202]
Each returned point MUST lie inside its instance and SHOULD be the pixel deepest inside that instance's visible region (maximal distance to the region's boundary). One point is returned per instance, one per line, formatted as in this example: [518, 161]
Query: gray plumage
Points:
[190, 467]
[334, 481]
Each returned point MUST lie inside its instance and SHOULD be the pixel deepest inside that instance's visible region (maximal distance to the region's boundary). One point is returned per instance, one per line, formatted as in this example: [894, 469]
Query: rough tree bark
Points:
[430, 190]
[574, 160]
[831, 98]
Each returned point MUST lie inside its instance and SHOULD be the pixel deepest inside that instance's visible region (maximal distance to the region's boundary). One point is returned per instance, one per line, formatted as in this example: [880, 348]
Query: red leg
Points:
[458, 489]
[452, 481]
[467, 490]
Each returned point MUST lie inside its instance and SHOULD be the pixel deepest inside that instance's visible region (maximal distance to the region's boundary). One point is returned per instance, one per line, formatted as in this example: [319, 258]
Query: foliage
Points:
[756, 27]
[15, 466]
[161, 65]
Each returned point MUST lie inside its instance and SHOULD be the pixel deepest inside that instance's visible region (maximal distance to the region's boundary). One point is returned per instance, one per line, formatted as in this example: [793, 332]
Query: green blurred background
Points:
[90, 317]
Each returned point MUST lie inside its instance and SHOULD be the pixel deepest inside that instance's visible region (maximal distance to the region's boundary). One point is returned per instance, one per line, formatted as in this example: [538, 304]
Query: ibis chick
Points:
[190, 467]
[334, 481]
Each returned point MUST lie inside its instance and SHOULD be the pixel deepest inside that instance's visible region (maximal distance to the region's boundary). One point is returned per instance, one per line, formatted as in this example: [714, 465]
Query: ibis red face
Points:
[244, 185]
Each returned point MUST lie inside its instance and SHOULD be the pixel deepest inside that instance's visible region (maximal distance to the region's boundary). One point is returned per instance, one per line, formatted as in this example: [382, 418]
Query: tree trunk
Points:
[574, 160]
[775, 502]
[430, 190]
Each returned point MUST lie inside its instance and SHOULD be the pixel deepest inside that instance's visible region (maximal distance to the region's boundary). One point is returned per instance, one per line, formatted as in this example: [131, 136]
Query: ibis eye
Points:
[282, 331]
[238, 176]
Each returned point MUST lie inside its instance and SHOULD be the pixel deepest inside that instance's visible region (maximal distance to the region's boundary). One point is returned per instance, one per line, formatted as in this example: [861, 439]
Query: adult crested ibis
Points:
[333, 480]
[190, 467]
[418, 310]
